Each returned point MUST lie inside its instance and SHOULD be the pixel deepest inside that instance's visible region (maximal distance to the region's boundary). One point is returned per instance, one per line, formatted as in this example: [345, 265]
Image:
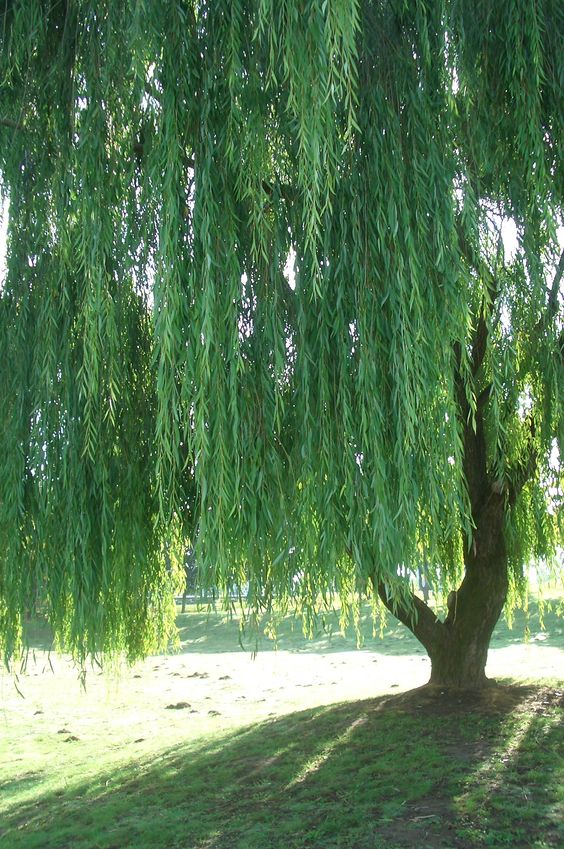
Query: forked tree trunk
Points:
[460, 650]
[459, 655]
[458, 646]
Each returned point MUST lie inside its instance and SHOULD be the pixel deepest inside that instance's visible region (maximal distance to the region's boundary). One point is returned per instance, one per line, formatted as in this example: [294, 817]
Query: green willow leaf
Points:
[257, 302]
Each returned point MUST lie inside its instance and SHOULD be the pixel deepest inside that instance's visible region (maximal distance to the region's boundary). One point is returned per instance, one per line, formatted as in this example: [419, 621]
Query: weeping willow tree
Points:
[258, 298]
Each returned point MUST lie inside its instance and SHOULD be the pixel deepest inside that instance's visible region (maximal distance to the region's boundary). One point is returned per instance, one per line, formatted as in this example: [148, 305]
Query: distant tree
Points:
[190, 576]
[392, 396]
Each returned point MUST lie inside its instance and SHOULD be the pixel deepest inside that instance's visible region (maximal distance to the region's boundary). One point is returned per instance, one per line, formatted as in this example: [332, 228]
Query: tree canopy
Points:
[257, 299]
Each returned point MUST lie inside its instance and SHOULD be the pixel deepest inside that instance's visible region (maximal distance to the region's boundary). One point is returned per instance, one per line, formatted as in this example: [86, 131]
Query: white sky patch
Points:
[525, 403]
[510, 238]
[289, 269]
[553, 484]
[249, 302]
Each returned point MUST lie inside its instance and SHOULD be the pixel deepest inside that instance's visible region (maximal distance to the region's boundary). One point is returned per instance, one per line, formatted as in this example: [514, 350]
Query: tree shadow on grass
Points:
[516, 798]
[390, 772]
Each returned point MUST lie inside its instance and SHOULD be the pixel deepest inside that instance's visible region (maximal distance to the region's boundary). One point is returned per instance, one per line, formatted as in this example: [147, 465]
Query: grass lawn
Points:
[317, 745]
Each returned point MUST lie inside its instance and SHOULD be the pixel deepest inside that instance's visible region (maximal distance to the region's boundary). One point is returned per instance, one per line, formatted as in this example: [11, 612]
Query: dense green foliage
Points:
[161, 379]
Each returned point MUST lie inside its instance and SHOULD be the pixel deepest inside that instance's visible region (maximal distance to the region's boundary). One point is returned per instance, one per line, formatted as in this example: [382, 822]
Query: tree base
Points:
[484, 683]
[459, 670]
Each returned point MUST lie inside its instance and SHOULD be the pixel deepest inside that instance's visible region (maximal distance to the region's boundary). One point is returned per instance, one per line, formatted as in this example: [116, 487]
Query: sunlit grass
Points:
[212, 750]
[375, 773]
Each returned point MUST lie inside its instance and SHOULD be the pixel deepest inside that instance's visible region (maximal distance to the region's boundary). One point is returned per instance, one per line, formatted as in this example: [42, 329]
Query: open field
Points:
[316, 745]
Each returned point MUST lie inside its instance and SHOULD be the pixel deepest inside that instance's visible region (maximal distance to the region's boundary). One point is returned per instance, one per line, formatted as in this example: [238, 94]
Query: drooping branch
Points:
[284, 422]
[472, 420]
[552, 305]
[139, 150]
[461, 396]
[11, 124]
[483, 397]
[527, 467]
[480, 343]
[549, 313]
[190, 162]
[552, 302]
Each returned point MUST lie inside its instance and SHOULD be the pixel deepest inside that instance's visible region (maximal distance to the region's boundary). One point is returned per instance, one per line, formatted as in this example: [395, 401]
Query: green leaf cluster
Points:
[165, 378]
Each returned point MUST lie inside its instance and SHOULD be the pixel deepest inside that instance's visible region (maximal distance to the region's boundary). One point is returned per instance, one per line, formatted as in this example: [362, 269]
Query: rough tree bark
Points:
[459, 653]
[458, 645]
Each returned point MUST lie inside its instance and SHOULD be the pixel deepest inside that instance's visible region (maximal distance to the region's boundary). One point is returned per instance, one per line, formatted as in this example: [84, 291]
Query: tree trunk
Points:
[459, 654]
[458, 663]
[458, 646]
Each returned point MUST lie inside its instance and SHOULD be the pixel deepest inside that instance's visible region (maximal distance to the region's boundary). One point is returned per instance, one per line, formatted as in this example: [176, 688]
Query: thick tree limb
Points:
[483, 398]
[480, 343]
[9, 122]
[415, 615]
[461, 397]
[549, 313]
[475, 466]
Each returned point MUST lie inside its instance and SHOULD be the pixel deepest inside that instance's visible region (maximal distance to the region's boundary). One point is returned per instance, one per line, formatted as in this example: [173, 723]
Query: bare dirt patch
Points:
[491, 700]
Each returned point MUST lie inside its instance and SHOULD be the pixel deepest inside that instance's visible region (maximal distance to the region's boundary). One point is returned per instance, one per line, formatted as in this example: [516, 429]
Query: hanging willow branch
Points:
[245, 238]
[8, 122]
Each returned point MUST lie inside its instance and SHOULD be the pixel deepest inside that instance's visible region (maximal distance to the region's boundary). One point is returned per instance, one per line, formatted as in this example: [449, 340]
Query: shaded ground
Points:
[416, 770]
[505, 793]
[210, 749]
